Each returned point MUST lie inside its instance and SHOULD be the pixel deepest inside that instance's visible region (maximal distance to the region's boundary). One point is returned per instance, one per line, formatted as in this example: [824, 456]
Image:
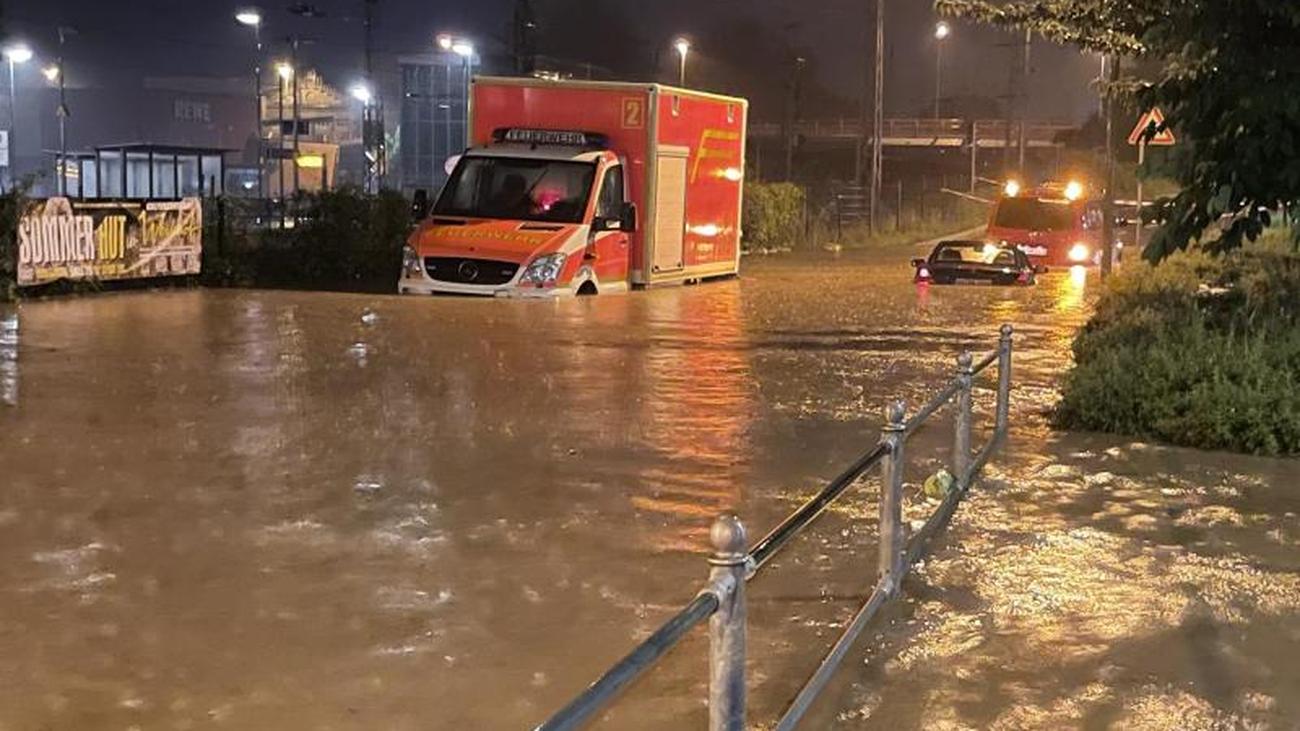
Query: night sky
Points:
[125, 40]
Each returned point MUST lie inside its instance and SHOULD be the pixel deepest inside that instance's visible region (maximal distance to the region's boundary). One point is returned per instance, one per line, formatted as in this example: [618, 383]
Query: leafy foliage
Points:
[346, 240]
[1224, 73]
[1202, 351]
[773, 215]
[11, 207]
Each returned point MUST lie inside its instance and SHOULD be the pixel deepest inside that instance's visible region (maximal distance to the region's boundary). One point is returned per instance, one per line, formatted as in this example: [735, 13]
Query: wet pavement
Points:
[271, 510]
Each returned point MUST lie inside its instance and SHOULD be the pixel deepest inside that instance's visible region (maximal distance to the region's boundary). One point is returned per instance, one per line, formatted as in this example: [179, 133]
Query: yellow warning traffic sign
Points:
[1154, 118]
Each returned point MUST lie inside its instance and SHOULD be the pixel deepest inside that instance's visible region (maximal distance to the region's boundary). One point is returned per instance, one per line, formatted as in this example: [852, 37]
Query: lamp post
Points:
[63, 113]
[252, 18]
[293, 46]
[361, 92]
[283, 72]
[941, 32]
[15, 54]
[683, 47]
[465, 49]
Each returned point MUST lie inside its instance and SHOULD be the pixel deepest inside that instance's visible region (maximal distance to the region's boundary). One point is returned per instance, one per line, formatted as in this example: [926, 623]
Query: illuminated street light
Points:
[18, 53]
[251, 17]
[464, 48]
[362, 93]
[284, 70]
[683, 47]
[15, 53]
[51, 73]
[941, 31]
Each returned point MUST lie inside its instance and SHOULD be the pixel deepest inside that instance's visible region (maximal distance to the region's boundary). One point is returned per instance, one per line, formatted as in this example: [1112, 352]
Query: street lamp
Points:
[464, 48]
[252, 18]
[683, 47]
[51, 73]
[15, 53]
[283, 72]
[941, 32]
[362, 93]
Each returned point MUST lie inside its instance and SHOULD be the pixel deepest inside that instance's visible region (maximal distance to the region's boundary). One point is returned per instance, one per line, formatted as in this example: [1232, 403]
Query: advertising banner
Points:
[63, 239]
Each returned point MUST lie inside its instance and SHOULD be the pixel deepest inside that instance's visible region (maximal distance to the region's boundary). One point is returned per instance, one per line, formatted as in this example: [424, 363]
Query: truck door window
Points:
[610, 204]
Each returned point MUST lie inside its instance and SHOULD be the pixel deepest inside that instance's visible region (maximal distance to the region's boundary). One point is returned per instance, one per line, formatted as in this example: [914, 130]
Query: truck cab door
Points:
[609, 247]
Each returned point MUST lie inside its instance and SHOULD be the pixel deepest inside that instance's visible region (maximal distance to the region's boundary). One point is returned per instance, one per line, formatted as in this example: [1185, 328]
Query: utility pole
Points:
[279, 148]
[524, 39]
[63, 111]
[293, 61]
[792, 114]
[372, 114]
[878, 116]
[1023, 100]
[1108, 200]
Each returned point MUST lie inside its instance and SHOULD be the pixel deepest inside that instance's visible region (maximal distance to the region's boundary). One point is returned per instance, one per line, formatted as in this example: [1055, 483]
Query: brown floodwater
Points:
[290, 510]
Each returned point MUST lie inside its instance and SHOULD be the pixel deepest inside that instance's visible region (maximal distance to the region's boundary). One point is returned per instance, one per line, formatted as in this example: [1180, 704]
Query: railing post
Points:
[1004, 379]
[727, 625]
[961, 432]
[892, 540]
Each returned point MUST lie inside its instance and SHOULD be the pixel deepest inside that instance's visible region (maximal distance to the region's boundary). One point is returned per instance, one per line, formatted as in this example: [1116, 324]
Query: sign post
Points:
[1149, 130]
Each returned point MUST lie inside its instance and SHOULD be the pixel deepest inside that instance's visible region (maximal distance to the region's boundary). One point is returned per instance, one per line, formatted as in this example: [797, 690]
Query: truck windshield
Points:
[518, 189]
[1034, 215]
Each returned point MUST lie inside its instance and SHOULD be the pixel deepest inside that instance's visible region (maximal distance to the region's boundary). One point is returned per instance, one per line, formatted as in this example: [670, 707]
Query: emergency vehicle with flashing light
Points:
[578, 187]
[1053, 224]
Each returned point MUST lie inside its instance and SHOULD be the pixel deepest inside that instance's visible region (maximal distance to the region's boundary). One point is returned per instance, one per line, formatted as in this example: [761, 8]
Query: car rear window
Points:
[976, 255]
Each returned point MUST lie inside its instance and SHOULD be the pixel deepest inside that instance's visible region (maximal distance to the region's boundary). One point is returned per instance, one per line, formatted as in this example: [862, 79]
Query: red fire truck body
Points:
[575, 187]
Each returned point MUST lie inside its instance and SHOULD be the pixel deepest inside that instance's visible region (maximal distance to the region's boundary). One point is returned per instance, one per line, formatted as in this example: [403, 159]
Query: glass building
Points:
[433, 126]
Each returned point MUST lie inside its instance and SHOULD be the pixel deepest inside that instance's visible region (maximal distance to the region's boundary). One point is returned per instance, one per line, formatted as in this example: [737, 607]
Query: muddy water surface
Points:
[273, 510]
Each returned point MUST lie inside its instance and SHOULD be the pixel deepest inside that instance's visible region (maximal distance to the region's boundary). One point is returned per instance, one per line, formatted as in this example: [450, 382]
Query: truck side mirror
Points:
[420, 205]
[628, 217]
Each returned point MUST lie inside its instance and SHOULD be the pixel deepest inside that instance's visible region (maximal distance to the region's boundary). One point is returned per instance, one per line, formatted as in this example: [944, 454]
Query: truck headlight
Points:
[412, 268]
[1079, 252]
[544, 270]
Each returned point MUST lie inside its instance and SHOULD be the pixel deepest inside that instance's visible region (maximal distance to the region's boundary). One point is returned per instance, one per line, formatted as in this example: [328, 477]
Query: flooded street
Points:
[290, 510]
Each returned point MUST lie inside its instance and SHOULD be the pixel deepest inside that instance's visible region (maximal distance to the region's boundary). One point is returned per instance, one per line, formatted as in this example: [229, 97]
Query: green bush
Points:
[773, 215]
[1200, 351]
[11, 206]
[345, 240]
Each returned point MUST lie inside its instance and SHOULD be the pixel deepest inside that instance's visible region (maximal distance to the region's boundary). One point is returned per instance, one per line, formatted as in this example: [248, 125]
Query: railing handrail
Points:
[802, 517]
[630, 667]
[722, 598]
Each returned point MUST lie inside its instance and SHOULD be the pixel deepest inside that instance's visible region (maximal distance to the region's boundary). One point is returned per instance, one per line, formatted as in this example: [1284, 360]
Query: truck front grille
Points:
[469, 271]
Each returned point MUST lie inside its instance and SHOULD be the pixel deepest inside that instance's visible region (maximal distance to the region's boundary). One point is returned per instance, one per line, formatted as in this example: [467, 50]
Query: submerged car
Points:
[979, 261]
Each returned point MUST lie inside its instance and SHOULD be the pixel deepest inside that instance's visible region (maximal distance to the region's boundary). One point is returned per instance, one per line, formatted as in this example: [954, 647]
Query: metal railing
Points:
[939, 132]
[722, 599]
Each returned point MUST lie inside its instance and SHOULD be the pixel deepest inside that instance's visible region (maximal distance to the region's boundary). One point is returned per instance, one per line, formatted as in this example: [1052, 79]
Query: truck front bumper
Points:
[426, 286]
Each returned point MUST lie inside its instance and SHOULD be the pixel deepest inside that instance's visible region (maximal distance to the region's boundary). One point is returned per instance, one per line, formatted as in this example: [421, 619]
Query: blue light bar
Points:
[560, 137]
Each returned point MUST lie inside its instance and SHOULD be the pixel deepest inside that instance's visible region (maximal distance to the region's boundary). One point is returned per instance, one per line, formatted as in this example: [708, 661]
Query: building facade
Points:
[434, 113]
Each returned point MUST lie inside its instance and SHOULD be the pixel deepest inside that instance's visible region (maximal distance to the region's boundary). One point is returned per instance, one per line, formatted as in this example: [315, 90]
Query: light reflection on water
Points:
[9, 359]
[463, 521]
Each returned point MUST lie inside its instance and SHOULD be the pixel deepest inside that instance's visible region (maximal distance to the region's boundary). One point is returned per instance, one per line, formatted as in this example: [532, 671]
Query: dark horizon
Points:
[152, 39]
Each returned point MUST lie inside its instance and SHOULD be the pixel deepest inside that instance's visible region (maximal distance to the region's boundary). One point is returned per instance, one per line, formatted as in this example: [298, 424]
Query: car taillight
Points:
[923, 273]
[1024, 277]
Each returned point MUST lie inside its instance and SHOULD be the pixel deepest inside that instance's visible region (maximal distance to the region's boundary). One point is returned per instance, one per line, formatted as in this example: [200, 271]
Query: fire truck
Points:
[1055, 224]
[580, 187]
